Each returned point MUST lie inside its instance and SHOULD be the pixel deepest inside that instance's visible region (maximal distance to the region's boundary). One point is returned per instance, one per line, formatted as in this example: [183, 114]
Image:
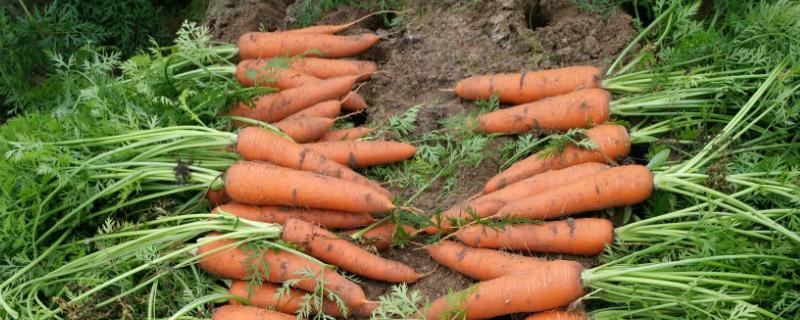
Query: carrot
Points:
[276, 266]
[325, 109]
[558, 315]
[552, 284]
[519, 88]
[267, 44]
[267, 296]
[330, 68]
[263, 184]
[612, 142]
[234, 312]
[481, 264]
[381, 236]
[260, 144]
[584, 236]
[272, 214]
[258, 72]
[277, 106]
[331, 29]
[358, 154]
[348, 134]
[488, 204]
[619, 186]
[577, 109]
[326, 246]
[305, 129]
[217, 197]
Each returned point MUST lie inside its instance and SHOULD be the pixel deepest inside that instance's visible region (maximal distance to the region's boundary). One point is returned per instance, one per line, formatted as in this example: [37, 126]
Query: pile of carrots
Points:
[304, 183]
[539, 188]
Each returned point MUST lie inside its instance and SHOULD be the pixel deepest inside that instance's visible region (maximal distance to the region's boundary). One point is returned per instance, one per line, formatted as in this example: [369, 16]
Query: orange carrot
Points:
[267, 296]
[330, 68]
[254, 45]
[305, 129]
[234, 312]
[358, 154]
[584, 236]
[577, 109]
[346, 134]
[272, 214]
[326, 246]
[263, 184]
[354, 102]
[258, 72]
[481, 264]
[217, 197]
[275, 266]
[551, 285]
[325, 109]
[619, 186]
[382, 236]
[260, 144]
[612, 142]
[558, 315]
[488, 204]
[331, 29]
[519, 88]
[277, 106]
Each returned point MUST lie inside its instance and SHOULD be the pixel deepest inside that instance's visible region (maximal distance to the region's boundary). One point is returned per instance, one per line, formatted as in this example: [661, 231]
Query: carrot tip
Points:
[447, 90]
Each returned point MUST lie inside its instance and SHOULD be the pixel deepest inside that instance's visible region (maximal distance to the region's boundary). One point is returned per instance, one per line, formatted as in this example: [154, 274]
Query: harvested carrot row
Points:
[382, 236]
[584, 236]
[330, 68]
[550, 285]
[263, 184]
[305, 129]
[260, 144]
[276, 266]
[577, 109]
[558, 315]
[267, 296]
[234, 312]
[325, 109]
[481, 264]
[358, 154]
[348, 134]
[254, 45]
[256, 72]
[326, 246]
[519, 88]
[619, 186]
[277, 106]
[272, 214]
[488, 204]
[612, 142]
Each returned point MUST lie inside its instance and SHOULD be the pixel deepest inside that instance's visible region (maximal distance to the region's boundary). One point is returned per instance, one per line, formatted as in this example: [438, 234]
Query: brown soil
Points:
[440, 44]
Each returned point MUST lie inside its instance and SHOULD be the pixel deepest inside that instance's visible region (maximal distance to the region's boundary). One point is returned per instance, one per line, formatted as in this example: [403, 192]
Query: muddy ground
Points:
[439, 43]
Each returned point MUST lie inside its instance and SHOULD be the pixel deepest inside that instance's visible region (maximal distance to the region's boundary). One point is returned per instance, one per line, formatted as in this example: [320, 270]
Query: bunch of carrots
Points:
[554, 184]
[283, 182]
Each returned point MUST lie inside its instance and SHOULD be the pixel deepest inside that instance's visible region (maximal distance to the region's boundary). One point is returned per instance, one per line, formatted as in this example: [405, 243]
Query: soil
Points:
[438, 44]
